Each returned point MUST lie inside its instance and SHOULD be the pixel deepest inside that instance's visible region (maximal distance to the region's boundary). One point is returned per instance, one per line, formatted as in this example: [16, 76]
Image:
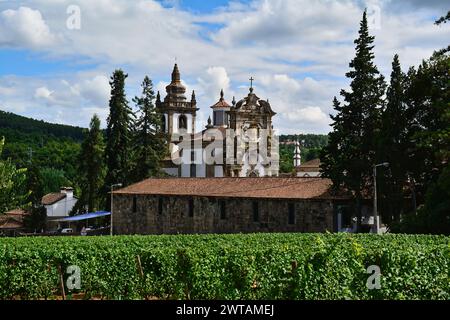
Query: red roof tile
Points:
[51, 198]
[264, 187]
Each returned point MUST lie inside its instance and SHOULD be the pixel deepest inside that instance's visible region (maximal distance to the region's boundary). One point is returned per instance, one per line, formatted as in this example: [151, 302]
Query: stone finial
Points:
[209, 125]
[234, 101]
[158, 97]
[221, 95]
[193, 96]
[176, 77]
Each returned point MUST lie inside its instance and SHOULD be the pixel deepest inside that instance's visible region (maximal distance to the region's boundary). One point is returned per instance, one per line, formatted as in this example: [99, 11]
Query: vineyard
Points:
[254, 266]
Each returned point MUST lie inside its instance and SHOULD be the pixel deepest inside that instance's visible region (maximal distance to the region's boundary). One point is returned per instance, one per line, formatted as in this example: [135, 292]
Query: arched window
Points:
[182, 122]
[163, 123]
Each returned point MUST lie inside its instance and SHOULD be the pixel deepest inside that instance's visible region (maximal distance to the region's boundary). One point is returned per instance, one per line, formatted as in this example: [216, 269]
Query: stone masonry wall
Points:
[273, 215]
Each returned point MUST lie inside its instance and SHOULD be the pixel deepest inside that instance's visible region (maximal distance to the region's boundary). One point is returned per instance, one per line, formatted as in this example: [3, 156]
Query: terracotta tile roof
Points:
[311, 165]
[51, 198]
[11, 221]
[17, 212]
[221, 104]
[264, 187]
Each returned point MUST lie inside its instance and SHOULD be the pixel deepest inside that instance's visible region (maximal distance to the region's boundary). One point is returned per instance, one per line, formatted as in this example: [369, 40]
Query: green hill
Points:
[56, 146]
[45, 144]
[10, 122]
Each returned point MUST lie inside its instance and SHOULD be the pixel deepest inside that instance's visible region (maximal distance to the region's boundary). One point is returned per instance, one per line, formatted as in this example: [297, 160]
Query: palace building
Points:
[239, 141]
[225, 179]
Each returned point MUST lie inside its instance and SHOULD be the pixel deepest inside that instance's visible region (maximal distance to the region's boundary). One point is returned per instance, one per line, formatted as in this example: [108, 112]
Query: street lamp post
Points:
[376, 224]
[111, 223]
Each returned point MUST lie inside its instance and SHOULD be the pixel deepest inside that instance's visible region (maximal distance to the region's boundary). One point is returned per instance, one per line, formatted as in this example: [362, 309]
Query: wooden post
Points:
[141, 272]
[61, 278]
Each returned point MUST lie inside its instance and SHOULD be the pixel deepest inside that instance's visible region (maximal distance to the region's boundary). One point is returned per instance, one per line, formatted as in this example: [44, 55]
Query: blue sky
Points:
[297, 50]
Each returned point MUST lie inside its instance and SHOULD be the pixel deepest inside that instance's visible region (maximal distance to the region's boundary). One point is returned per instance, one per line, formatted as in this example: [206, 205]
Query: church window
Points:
[291, 213]
[134, 204]
[160, 205]
[255, 211]
[223, 209]
[182, 122]
[191, 207]
[219, 118]
[163, 123]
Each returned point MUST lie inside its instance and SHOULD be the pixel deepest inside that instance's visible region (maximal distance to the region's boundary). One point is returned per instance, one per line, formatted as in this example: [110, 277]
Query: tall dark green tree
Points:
[91, 169]
[393, 143]
[118, 133]
[360, 122]
[34, 185]
[331, 154]
[148, 142]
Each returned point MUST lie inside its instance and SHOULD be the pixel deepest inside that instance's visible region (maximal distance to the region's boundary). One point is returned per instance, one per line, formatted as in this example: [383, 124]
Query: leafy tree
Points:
[148, 142]
[359, 120]
[443, 19]
[34, 184]
[428, 94]
[91, 168]
[434, 216]
[13, 191]
[37, 219]
[118, 136]
[53, 179]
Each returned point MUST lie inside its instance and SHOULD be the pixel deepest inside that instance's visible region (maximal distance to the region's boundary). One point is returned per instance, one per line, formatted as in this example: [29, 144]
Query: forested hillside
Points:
[310, 146]
[54, 147]
[51, 147]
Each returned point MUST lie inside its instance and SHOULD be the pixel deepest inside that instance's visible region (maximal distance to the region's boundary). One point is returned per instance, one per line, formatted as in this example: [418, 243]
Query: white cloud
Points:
[24, 27]
[298, 51]
[42, 92]
[96, 90]
[212, 81]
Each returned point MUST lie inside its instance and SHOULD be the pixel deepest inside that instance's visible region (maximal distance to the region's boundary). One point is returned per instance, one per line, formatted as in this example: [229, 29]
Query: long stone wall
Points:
[148, 214]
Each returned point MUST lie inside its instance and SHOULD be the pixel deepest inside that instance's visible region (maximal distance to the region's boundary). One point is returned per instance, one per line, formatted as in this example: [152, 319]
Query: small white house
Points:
[59, 204]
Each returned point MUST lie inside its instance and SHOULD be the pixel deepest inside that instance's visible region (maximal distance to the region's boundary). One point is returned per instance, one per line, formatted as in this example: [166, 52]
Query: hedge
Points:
[250, 266]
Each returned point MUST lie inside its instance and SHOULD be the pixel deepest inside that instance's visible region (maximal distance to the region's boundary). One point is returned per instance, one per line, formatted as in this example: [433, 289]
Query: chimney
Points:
[68, 191]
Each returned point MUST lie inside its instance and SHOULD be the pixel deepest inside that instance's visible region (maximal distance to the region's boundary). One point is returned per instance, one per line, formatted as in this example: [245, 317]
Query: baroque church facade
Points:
[238, 141]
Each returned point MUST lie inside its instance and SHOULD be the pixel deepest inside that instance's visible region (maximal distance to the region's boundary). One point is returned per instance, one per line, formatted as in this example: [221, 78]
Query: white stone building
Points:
[59, 204]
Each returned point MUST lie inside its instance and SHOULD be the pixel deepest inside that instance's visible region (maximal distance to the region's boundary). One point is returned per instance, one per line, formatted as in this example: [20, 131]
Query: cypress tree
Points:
[91, 168]
[118, 133]
[359, 121]
[148, 143]
[393, 145]
[330, 154]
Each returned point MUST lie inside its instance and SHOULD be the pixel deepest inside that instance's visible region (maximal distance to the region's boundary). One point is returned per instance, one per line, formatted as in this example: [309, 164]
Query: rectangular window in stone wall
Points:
[191, 207]
[160, 205]
[291, 213]
[255, 211]
[223, 209]
[134, 204]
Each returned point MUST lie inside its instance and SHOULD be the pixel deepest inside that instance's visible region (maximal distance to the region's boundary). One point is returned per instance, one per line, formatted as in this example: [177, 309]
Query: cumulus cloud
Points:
[95, 90]
[212, 81]
[42, 92]
[297, 50]
[24, 27]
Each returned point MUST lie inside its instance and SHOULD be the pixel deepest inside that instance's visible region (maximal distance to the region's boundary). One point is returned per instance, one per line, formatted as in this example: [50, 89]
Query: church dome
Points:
[176, 90]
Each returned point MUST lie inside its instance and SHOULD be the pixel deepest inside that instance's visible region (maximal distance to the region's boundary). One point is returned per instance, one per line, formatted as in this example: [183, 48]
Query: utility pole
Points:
[376, 223]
